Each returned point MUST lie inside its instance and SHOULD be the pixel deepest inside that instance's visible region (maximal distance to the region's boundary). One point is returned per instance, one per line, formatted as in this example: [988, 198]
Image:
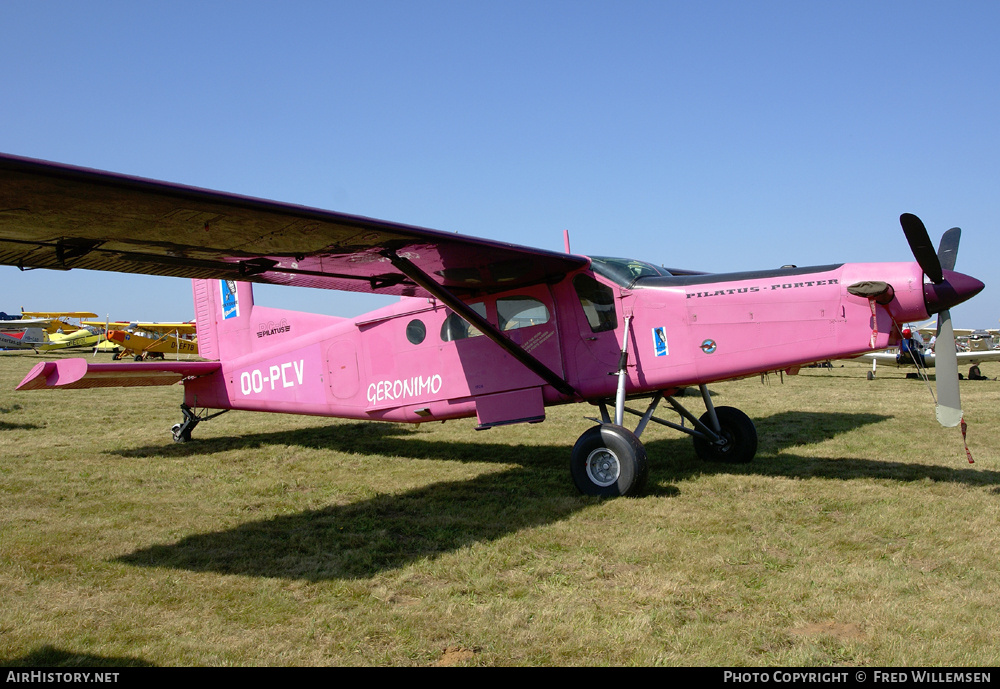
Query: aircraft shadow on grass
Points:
[388, 531]
[9, 426]
[51, 657]
[4, 426]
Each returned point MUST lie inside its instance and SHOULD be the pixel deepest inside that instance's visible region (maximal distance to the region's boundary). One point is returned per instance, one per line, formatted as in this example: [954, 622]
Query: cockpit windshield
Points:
[625, 271]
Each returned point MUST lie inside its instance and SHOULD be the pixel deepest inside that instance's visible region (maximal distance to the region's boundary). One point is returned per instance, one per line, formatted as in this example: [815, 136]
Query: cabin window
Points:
[455, 327]
[416, 331]
[598, 302]
[520, 312]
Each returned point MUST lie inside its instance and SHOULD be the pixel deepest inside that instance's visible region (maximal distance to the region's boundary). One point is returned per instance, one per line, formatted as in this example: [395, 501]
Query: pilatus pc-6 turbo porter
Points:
[483, 328]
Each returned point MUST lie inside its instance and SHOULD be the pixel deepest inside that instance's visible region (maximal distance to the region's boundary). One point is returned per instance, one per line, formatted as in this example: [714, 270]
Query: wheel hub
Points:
[603, 467]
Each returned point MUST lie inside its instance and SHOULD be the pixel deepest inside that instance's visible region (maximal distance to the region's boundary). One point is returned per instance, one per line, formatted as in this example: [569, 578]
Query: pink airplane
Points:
[482, 328]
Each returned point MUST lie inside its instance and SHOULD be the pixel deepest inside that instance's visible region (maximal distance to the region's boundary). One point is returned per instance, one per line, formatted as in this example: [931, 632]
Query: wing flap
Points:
[73, 374]
[61, 217]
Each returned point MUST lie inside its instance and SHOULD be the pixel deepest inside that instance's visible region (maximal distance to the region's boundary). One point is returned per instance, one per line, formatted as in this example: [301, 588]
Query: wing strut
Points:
[423, 280]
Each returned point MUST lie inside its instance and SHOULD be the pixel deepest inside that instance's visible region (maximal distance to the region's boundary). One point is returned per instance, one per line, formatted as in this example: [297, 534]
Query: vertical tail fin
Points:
[223, 314]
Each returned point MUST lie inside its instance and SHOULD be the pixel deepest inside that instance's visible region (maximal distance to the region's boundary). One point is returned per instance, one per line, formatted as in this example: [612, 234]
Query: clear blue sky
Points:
[719, 136]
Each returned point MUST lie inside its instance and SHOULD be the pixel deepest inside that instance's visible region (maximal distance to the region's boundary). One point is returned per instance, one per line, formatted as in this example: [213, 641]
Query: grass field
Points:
[860, 535]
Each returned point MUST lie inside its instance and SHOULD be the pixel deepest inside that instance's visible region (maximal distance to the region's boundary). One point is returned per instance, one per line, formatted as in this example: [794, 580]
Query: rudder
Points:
[223, 312]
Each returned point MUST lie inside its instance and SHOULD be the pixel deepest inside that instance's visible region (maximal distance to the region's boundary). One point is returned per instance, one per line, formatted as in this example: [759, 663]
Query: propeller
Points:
[949, 403]
[102, 336]
[948, 248]
[920, 245]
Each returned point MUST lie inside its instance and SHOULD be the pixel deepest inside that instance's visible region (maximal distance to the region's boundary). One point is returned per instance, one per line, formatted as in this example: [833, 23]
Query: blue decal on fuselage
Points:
[230, 304]
[660, 341]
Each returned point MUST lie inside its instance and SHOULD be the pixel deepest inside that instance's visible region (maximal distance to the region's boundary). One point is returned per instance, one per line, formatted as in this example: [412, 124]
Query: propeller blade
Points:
[920, 245]
[948, 248]
[949, 403]
[101, 336]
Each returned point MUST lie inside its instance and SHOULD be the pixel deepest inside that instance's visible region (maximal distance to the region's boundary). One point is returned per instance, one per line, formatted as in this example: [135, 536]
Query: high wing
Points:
[57, 314]
[930, 332]
[152, 327]
[167, 328]
[25, 323]
[62, 217]
[50, 320]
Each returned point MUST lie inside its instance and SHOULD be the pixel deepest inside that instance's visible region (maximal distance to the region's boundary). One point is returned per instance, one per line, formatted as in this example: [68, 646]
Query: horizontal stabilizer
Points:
[72, 374]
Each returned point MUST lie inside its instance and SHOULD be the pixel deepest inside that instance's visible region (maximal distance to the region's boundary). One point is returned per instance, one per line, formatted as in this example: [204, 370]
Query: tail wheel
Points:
[609, 461]
[740, 437]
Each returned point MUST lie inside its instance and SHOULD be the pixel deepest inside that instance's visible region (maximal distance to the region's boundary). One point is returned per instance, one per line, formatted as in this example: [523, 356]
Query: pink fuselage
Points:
[412, 361]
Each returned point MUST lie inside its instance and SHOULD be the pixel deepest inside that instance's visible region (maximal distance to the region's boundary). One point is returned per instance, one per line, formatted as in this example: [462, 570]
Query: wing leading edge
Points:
[62, 217]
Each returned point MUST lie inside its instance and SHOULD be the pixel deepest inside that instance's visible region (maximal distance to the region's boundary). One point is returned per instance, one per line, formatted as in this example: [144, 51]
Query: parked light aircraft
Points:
[28, 338]
[484, 329]
[51, 321]
[47, 330]
[64, 335]
[978, 351]
[154, 340]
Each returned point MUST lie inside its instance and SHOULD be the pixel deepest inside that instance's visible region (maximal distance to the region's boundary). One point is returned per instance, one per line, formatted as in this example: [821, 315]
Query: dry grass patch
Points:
[860, 535]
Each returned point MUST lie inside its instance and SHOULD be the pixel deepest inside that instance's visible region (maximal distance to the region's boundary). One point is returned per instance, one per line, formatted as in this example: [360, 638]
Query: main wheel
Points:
[180, 436]
[609, 461]
[975, 373]
[740, 435]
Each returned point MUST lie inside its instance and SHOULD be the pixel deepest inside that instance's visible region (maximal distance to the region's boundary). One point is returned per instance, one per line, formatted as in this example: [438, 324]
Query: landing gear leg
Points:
[182, 431]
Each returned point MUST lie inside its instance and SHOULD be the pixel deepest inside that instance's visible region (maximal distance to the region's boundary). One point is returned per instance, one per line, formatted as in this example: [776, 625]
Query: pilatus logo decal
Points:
[272, 328]
[708, 346]
[762, 288]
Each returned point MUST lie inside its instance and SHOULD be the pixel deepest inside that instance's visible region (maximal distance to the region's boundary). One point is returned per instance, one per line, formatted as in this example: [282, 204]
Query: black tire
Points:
[871, 376]
[180, 437]
[609, 461]
[740, 435]
[975, 373]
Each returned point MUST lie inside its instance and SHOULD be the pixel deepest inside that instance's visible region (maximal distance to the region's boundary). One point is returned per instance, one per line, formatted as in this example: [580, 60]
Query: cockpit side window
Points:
[598, 302]
[520, 312]
[625, 271]
[455, 327]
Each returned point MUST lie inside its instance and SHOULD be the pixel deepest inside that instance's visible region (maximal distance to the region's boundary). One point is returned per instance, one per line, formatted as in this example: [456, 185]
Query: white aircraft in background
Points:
[979, 343]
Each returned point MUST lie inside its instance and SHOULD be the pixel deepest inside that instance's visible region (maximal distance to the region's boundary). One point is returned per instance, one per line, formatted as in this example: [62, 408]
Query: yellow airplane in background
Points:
[153, 340]
[58, 333]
